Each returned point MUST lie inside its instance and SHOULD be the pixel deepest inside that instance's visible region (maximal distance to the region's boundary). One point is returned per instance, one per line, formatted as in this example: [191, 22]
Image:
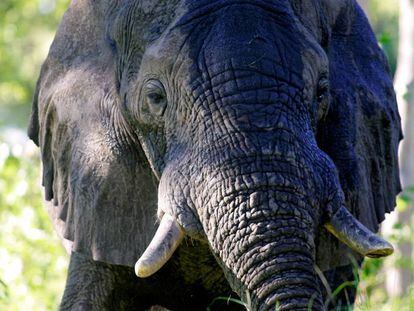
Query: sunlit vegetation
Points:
[26, 31]
[32, 262]
[384, 19]
[372, 290]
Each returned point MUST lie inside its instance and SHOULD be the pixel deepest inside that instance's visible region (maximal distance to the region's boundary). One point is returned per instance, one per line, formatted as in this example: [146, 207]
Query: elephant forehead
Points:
[223, 29]
[251, 42]
[192, 10]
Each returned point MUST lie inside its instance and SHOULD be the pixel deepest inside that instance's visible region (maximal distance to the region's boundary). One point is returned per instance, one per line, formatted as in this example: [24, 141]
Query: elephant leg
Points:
[184, 283]
[344, 280]
[93, 285]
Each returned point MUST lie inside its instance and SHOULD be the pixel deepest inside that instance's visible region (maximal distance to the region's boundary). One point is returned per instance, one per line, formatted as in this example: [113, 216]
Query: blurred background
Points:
[33, 263]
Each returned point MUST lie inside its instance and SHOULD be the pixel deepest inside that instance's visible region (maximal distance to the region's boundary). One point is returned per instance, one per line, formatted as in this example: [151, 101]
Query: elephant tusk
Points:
[165, 241]
[350, 231]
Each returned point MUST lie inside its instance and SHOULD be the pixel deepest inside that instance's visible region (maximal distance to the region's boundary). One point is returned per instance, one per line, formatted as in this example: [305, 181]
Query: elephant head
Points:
[267, 129]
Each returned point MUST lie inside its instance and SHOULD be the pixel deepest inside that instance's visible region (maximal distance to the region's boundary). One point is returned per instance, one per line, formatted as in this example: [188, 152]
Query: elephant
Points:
[217, 148]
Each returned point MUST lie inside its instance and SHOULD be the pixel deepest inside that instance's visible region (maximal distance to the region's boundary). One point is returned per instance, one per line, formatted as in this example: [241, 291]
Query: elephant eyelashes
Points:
[156, 98]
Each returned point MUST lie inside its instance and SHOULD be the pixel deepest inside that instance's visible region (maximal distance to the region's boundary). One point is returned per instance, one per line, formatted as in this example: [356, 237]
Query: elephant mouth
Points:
[342, 224]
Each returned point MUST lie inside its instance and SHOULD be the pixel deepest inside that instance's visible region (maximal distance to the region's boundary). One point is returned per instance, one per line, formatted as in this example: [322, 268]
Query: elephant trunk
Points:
[286, 281]
[267, 249]
[260, 218]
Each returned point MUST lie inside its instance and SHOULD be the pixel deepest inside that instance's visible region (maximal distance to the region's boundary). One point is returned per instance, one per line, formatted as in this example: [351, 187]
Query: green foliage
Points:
[372, 293]
[384, 20]
[32, 262]
[26, 31]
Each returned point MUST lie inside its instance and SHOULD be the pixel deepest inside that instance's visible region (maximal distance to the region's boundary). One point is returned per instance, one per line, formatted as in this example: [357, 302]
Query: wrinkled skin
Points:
[241, 114]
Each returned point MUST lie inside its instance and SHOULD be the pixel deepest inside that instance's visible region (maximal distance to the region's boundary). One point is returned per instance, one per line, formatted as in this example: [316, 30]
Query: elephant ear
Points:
[100, 186]
[362, 130]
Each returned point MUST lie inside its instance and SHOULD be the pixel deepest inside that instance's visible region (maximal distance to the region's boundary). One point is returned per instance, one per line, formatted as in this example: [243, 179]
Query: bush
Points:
[32, 262]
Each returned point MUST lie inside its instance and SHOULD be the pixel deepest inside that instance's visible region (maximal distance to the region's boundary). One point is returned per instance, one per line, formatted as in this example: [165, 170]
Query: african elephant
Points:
[261, 134]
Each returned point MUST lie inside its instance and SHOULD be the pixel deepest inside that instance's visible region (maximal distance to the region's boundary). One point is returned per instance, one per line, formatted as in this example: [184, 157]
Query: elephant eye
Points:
[323, 89]
[156, 98]
[322, 97]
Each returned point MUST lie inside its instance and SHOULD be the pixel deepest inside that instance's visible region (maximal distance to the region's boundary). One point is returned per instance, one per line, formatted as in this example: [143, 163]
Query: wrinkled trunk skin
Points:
[265, 240]
[260, 222]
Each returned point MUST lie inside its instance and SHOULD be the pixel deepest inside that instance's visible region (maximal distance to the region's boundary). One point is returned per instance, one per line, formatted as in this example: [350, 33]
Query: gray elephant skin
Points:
[233, 148]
